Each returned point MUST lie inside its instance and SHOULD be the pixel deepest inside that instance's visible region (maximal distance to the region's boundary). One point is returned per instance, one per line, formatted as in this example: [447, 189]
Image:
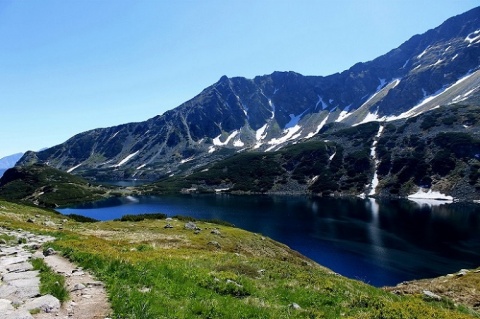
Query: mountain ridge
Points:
[268, 112]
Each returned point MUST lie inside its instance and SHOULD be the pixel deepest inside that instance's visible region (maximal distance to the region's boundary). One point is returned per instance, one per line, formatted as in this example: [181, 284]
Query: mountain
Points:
[8, 162]
[438, 150]
[439, 67]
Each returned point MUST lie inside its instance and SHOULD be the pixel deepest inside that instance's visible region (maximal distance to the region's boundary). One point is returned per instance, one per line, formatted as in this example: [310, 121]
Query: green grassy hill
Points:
[49, 187]
[214, 271]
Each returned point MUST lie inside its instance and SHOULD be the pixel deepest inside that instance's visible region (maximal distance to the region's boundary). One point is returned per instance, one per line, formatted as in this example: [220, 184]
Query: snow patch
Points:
[417, 67]
[456, 55]
[319, 127]
[217, 142]
[369, 118]
[332, 156]
[211, 149]
[141, 166]
[464, 96]
[405, 64]
[114, 135]
[126, 159]
[423, 53]
[413, 111]
[421, 194]
[344, 114]
[472, 37]
[73, 168]
[260, 133]
[238, 143]
[373, 154]
[438, 62]
[289, 134]
[185, 160]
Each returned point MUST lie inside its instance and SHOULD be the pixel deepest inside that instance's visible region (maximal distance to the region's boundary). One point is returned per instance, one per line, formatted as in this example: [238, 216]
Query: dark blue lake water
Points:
[381, 242]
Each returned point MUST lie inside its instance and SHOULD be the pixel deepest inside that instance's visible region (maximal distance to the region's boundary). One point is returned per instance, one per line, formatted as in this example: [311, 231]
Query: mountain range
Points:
[267, 113]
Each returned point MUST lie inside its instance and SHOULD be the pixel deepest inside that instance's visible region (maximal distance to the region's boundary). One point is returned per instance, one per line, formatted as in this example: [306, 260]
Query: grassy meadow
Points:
[214, 271]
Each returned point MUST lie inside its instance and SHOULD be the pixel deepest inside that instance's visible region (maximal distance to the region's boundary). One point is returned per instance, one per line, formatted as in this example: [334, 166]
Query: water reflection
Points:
[382, 242]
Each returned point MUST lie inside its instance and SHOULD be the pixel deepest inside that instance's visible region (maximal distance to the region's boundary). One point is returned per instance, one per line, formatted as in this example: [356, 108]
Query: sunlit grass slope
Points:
[216, 272]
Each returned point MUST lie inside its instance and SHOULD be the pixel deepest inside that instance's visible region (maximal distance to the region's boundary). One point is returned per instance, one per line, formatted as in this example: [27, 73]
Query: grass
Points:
[50, 282]
[153, 272]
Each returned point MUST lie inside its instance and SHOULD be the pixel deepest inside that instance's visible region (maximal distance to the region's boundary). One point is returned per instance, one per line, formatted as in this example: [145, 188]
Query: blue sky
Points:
[70, 66]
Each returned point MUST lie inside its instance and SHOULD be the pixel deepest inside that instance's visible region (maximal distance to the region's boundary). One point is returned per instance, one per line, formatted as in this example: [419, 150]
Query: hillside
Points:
[215, 271]
[48, 187]
[438, 150]
[268, 112]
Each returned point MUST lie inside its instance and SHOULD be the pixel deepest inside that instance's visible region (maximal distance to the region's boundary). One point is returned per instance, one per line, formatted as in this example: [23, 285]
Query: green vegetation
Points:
[140, 217]
[50, 282]
[153, 272]
[82, 219]
[47, 186]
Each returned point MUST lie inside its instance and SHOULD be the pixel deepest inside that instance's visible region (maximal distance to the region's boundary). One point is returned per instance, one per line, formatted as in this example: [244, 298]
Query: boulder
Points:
[430, 295]
[47, 303]
[49, 251]
[191, 226]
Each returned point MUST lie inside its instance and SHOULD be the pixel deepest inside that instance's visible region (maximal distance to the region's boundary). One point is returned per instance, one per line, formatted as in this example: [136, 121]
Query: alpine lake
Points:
[380, 241]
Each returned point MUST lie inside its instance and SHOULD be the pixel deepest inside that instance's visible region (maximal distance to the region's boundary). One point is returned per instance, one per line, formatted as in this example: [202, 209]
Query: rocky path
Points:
[19, 285]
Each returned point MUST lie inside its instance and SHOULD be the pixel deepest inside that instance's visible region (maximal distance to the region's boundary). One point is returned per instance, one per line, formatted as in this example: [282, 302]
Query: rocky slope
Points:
[436, 155]
[268, 112]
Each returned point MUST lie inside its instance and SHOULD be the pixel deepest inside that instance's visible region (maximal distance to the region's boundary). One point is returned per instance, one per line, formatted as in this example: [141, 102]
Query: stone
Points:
[49, 251]
[20, 267]
[19, 314]
[95, 284]
[12, 260]
[215, 232]
[20, 275]
[21, 293]
[214, 244]
[191, 226]
[49, 223]
[295, 306]
[431, 295]
[30, 220]
[47, 303]
[78, 286]
[6, 305]
[231, 282]
[168, 226]
[462, 272]
[38, 255]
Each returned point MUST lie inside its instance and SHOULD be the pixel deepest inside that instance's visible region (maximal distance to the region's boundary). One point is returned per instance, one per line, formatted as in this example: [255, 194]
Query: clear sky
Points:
[70, 66]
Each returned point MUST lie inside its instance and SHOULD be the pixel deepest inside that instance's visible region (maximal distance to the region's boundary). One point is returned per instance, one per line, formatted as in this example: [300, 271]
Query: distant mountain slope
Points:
[10, 161]
[438, 152]
[268, 112]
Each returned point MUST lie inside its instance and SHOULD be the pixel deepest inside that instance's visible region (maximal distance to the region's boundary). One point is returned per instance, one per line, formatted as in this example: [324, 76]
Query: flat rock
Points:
[20, 267]
[25, 282]
[6, 261]
[20, 275]
[6, 305]
[18, 314]
[47, 303]
[18, 294]
[431, 295]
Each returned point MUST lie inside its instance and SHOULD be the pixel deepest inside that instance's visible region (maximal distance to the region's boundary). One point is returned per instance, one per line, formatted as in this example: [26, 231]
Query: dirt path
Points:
[88, 298]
